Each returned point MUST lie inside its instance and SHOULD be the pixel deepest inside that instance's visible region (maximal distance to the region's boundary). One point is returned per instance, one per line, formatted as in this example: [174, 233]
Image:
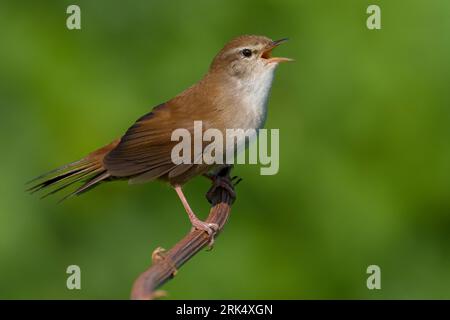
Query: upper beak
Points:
[267, 53]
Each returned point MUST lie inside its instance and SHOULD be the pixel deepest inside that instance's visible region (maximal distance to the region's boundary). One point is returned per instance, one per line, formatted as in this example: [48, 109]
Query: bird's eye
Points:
[247, 53]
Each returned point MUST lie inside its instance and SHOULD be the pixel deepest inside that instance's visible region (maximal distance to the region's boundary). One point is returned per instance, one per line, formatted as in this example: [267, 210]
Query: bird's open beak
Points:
[267, 53]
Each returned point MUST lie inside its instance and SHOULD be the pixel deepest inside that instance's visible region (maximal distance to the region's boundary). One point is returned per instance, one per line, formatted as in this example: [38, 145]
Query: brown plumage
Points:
[233, 94]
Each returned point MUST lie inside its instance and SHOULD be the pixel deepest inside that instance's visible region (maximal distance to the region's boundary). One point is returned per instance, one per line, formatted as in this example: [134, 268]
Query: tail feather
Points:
[89, 170]
[58, 170]
[48, 182]
[88, 185]
[75, 179]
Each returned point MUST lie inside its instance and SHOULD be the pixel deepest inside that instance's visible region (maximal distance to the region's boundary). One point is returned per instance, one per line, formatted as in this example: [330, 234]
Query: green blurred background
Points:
[364, 125]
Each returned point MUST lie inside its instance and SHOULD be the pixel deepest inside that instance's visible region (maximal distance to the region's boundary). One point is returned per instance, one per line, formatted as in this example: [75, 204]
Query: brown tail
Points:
[89, 170]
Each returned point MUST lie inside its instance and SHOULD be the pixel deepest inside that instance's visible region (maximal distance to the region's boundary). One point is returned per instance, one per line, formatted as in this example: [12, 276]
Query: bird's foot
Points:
[210, 228]
[223, 182]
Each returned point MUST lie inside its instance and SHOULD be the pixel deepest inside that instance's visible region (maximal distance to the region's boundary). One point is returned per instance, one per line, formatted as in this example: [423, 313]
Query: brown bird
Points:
[233, 94]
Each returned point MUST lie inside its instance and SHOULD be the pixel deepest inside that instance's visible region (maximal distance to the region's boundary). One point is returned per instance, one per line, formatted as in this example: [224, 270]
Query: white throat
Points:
[254, 93]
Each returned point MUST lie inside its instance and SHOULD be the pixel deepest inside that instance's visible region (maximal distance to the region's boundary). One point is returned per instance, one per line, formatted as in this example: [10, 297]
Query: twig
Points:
[165, 264]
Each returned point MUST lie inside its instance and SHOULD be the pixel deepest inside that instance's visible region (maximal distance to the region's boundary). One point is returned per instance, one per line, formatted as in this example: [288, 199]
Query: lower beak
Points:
[280, 59]
[267, 53]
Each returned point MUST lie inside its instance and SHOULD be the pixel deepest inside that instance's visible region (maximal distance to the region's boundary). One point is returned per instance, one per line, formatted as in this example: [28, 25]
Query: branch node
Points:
[159, 255]
[158, 294]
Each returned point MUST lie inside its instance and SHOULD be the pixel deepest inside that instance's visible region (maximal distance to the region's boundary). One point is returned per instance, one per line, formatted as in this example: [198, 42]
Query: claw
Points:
[238, 180]
[210, 228]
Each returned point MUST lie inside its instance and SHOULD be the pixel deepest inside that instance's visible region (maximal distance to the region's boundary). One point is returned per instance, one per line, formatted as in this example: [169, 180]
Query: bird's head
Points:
[248, 56]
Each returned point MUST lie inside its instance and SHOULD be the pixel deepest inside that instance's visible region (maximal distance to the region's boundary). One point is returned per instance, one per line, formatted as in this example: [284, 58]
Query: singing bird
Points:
[232, 95]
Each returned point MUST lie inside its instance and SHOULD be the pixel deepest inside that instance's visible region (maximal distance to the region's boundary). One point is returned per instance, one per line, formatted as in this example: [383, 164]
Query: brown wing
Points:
[146, 146]
[144, 152]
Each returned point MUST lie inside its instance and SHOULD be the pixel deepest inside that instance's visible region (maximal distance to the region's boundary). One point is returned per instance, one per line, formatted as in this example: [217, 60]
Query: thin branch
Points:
[165, 264]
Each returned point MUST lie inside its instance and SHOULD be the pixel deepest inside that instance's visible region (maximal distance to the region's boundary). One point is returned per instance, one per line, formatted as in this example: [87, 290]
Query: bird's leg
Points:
[210, 228]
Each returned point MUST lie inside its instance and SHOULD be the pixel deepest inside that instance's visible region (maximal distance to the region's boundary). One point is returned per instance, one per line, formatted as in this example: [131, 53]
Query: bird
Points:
[232, 94]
